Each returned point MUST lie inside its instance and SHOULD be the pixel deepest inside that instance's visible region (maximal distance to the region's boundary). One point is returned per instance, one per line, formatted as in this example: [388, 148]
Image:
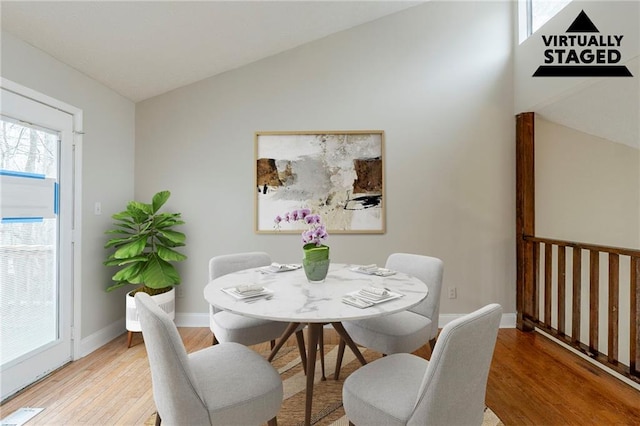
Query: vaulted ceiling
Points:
[142, 49]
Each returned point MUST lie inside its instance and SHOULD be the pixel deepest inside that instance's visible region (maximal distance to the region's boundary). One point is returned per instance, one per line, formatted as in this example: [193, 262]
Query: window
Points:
[535, 13]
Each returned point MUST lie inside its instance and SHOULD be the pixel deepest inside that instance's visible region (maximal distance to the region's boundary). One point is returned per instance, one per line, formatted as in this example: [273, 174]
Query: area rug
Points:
[327, 394]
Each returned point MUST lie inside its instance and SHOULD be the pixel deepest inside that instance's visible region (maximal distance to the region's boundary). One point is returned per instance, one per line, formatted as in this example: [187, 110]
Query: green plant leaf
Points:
[131, 273]
[165, 253]
[119, 241]
[159, 199]
[131, 249]
[119, 284]
[117, 231]
[120, 262]
[137, 206]
[158, 273]
[124, 216]
[173, 236]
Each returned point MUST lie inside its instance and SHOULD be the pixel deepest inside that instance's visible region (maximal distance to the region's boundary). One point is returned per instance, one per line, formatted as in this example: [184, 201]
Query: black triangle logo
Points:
[582, 24]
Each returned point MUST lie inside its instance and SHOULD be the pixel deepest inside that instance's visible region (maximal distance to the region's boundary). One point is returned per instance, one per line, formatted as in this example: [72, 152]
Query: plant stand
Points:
[166, 302]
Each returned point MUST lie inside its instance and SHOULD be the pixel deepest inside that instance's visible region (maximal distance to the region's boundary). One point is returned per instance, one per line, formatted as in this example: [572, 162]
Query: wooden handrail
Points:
[584, 246]
[542, 285]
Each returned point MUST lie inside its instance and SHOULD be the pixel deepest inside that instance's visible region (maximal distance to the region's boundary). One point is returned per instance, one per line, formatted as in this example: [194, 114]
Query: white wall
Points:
[436, 78]
[587, 188]
[108, 160]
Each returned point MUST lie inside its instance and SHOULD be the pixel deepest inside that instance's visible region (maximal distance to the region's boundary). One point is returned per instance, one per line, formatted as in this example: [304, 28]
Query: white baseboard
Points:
[105, 335]
[100, 338]
[192, 320]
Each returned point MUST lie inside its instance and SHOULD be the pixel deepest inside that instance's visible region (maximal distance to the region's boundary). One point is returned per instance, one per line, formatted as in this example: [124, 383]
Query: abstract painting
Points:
[337, 174]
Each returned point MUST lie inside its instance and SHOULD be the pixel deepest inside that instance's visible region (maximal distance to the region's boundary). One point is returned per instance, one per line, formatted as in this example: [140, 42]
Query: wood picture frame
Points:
[336, 174]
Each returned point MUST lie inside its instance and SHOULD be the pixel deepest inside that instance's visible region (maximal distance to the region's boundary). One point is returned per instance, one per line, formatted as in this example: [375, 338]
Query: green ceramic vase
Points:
[316, 262]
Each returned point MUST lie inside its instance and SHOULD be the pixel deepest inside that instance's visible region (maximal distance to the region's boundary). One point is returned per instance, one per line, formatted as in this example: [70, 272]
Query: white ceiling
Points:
[142, 49]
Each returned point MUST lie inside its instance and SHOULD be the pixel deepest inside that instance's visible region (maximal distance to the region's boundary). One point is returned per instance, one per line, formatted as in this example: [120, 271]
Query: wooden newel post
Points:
[525, 220]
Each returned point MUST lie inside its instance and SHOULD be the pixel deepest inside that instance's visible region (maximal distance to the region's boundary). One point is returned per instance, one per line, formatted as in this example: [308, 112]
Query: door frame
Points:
[76, 234]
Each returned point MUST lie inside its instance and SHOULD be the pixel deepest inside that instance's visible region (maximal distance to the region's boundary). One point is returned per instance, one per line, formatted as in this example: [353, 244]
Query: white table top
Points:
[297, 300]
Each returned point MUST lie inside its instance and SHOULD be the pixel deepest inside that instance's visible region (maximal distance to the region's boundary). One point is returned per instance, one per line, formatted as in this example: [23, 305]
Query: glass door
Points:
[35, 241]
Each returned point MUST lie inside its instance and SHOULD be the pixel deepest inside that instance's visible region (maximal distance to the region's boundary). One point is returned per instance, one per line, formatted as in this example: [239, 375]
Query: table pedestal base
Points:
[314, 338]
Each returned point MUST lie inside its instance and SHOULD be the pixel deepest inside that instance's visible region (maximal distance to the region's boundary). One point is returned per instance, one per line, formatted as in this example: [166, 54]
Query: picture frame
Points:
[336, 174]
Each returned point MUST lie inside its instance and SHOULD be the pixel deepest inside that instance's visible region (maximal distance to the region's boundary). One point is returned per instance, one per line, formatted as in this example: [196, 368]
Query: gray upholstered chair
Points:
[403, 389]
[226, 384]
[230, 327]
[408, 330]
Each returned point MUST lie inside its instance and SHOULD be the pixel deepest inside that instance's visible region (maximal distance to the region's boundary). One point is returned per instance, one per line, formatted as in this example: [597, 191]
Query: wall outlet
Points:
[453, 293]
[179, 291]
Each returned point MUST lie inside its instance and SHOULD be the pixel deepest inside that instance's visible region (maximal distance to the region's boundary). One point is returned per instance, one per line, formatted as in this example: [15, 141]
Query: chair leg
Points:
[341, 346]
[273, 422]
[158, 419]
[301, 349]
[432, 344]
[129, 338]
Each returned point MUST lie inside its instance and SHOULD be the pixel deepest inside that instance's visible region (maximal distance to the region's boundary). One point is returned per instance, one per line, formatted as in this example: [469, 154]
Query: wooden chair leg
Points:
[129, 339]
[302, 350]
[273, 422]
[432, 344]
[158, 419]
[341, 346]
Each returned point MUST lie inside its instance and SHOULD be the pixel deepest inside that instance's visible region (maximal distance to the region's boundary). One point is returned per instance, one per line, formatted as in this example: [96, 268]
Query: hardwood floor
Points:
[533, 381]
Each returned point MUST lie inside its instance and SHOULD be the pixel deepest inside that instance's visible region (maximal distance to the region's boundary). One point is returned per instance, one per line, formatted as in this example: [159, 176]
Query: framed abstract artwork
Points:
[337, 174]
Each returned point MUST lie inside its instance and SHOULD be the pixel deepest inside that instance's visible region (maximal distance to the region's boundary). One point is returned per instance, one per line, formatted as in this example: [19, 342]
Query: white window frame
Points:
[77, 203]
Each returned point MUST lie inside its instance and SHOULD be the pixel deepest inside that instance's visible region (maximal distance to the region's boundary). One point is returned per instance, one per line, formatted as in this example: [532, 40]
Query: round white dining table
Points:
[297, 301]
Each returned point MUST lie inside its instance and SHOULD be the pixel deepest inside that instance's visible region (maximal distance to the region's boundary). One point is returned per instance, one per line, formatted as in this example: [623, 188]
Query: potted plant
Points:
[316, 254]
[144, 242]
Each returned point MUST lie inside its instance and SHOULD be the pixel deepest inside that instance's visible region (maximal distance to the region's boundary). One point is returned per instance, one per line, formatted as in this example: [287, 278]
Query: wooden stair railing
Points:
[533, 252]
[542, 291]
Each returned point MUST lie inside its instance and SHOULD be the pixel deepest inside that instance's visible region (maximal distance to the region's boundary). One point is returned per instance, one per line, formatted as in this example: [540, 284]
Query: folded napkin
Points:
[249, 288]
[368, 268]
[376, 291]
[354, 301]
[277, 266]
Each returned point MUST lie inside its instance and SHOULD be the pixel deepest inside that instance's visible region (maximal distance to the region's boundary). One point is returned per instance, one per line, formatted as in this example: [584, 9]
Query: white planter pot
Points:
[166, 301]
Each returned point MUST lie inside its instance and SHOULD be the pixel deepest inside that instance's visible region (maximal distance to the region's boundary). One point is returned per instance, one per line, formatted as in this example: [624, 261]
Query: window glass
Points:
[543, 10]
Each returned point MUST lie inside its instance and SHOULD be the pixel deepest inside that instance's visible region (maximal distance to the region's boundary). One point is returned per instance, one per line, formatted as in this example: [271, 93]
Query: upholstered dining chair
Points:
[220, 385]
[403, 331]
[404, 389]
[230, 327]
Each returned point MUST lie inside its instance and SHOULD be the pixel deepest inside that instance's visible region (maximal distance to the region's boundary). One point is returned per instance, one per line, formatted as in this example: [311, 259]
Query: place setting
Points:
[275, 268]
[373, 269]
[249, 292]
[369, 296]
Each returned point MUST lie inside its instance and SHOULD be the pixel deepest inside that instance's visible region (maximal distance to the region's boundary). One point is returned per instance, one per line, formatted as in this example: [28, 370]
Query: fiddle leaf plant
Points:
[144, 242]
